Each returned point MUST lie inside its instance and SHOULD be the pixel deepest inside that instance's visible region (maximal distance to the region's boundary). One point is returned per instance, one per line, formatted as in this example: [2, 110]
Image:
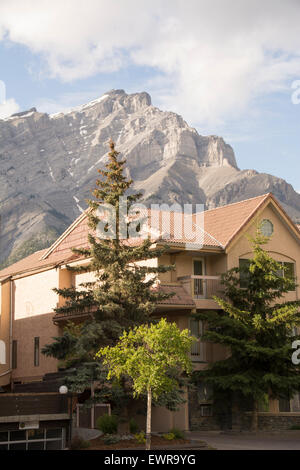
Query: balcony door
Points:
[199, 285]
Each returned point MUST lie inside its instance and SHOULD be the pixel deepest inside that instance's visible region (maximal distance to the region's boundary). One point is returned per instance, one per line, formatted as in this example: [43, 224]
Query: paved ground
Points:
[285, 440]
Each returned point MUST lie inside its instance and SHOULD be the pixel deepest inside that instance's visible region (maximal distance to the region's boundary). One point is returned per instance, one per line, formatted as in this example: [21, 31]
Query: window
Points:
[267, 228]
[206, 410]
[36, 351]
[288, 271]
[204, 393]
[14, 353]
[41, 439]
[197, 349]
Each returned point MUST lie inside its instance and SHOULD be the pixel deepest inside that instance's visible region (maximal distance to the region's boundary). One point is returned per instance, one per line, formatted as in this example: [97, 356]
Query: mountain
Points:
[48, 164]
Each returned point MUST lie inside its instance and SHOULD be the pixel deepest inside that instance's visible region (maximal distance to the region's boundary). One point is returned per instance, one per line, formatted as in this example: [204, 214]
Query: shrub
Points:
[133, 427]
[140, 437]
[111, 439]
[78, 443]
[108, 424]
[170, 436]
[295, 427]
[177, 433]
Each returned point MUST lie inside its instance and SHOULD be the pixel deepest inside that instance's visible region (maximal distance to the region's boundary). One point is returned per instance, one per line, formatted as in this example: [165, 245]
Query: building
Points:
[28, 321]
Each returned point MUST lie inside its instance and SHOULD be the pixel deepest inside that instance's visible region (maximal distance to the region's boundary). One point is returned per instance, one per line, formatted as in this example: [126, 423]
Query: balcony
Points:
[202, 287]
[14, 406]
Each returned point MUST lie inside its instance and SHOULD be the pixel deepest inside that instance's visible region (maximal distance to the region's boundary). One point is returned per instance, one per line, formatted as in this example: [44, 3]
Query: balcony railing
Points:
[202, 287]
[15, 404]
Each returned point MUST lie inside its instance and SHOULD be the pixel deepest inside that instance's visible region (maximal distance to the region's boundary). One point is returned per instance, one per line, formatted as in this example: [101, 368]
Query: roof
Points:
[226, 221]
[32, 263]
[180, 297]
[221, 226]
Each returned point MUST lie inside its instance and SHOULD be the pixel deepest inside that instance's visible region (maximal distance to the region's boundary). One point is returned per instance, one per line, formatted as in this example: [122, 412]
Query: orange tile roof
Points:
[32, 263]
[220, 227]
[29, 262]
[180, 297]
[223, 223]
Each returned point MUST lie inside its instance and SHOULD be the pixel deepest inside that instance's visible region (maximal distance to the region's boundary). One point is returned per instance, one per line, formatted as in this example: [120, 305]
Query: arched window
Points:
[2, 352]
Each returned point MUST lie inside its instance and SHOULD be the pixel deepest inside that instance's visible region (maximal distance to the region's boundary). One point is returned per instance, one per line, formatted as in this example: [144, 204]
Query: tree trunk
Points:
[254, 424]
[148, 424]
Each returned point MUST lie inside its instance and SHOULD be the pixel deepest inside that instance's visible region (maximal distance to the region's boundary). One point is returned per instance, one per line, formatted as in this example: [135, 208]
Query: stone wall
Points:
[205, 423]
[273, 421]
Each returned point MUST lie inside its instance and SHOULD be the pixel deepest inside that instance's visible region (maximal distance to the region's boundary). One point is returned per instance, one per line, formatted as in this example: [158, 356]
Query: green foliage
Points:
[255, 324]
[79, 443]
[169, 437]
[178, 434]
[147, 353]
[108, 424]
[122, 295]
[133, 426]
[111, 439]
[140, 437]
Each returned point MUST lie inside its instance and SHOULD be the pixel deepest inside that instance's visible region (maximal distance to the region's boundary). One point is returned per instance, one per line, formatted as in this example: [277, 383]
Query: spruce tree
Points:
[257, 325]
[122, 294]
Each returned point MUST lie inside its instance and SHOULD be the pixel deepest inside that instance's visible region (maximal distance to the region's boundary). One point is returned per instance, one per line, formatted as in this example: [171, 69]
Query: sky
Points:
[229, 67]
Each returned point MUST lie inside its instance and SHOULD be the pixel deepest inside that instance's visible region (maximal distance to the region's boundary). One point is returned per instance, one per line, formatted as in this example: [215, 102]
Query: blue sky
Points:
[226, 66]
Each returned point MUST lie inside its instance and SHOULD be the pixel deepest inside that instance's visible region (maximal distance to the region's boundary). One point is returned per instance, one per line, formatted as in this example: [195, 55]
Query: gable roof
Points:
[220, 224]
[221, 227]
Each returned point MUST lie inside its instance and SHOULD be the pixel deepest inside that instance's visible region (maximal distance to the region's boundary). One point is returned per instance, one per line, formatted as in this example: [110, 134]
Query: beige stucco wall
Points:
[283, 246]
[33, 295]
[24, 331]
[81, 278]
[34, 301]
[5, 331]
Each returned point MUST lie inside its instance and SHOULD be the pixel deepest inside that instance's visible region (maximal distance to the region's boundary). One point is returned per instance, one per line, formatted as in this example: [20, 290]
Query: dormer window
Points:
[267, 228]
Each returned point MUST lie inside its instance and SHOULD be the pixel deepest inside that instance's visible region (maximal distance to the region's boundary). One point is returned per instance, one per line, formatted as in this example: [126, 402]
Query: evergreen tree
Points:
[122, 294]
[257, 326]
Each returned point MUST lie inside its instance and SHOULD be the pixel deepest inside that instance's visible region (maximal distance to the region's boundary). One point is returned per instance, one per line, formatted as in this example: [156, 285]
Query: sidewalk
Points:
[221, 440]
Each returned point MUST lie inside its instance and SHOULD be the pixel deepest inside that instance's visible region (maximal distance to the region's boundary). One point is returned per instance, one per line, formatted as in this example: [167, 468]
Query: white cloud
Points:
[8, 108]
[214, 57]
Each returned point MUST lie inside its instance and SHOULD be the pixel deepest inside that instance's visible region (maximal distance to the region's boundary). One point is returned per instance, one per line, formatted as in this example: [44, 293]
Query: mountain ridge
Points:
[48, 164]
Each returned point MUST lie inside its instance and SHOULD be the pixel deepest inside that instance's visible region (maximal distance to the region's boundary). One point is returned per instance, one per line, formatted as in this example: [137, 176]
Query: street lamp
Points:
[63, 390]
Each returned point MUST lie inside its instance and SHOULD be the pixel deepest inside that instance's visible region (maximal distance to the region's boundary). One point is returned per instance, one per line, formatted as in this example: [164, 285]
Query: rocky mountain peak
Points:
[48, 165]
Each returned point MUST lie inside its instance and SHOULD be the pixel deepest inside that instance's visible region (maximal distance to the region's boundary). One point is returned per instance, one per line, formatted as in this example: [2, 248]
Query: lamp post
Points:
[63, 390]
